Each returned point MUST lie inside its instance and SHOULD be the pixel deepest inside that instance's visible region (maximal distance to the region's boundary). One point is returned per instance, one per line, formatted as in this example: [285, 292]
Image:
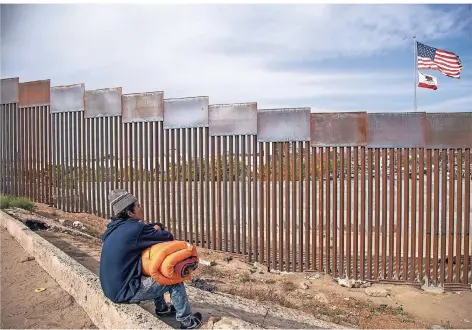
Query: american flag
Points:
[446, 62]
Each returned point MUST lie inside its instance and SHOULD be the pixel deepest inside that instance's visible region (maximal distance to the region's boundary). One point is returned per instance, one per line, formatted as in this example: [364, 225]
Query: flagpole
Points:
[415, 69]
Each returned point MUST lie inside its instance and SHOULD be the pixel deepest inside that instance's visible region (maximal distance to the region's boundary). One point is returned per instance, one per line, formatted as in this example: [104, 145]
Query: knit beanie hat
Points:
[120, 199]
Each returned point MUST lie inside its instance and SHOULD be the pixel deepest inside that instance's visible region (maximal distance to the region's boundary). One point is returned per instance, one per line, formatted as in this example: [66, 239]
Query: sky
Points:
[327, 57]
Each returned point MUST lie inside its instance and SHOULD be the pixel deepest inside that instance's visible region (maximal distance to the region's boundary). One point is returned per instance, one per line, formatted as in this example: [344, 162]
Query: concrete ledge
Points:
[80, 283]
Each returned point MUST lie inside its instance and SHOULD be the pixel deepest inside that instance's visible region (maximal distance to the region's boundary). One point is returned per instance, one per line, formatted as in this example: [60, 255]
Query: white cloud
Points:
[461, 104]
[218, 50]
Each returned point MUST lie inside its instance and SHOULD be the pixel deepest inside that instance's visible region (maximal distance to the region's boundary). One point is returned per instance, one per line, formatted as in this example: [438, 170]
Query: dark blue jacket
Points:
[120, 261]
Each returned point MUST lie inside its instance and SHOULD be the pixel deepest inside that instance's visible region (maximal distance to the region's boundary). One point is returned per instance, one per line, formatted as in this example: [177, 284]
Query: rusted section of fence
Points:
[449, 130]
[34, 93]
[338, 129]
[401, 130]
[382, 197]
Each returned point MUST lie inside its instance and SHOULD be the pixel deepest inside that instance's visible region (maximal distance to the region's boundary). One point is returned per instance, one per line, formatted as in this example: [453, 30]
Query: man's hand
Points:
[159, 226]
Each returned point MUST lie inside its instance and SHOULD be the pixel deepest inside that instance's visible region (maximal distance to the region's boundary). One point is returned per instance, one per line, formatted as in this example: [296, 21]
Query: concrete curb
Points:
[80, 283]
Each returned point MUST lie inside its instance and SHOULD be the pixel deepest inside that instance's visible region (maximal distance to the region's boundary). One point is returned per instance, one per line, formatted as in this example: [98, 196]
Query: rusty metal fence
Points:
[375, 196]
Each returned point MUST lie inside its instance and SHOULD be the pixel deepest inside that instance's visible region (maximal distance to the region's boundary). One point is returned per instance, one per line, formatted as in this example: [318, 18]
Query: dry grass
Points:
[93, 232]
[288, 286]
[245, 277]
[208, 271]
[357, 313]
[261, 294]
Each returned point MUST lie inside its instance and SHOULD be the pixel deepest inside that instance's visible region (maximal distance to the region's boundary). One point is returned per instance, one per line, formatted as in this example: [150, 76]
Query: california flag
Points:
[427, 81]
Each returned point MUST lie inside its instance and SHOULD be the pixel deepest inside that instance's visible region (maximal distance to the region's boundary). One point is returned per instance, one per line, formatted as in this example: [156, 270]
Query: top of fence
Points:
[68, 98]
[188, 112]
[104, 102]
[34, 93]
[233, 119]
[143, 107]
[399, 129]
[280, 125]
[449, 130]
[338, 129]
[375, 130]
[9, 89]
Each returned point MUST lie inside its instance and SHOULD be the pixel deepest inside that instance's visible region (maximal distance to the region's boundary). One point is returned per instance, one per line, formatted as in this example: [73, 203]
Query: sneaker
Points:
[165, 310]
[193, 321]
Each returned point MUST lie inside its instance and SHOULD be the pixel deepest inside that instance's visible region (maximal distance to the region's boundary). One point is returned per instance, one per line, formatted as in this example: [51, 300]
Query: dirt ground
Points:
[403, 307]
[21, 306]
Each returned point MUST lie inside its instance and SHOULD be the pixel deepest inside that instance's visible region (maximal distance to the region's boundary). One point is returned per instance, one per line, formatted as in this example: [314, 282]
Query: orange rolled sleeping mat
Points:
[159, 261]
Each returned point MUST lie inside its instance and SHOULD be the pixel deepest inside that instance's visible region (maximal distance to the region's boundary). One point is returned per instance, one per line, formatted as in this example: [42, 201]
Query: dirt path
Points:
[404, 307]
[21, 307]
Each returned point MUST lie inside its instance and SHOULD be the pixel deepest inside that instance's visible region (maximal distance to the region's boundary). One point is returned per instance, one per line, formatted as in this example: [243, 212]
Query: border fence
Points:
[374, 196]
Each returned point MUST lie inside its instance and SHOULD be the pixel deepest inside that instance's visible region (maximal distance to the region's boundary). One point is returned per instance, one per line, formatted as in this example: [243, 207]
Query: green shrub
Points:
[18, 202]
[22, 203]
[5, 202]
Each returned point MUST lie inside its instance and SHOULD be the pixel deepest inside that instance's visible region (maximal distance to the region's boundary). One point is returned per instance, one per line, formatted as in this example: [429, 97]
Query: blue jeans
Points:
[151, 290]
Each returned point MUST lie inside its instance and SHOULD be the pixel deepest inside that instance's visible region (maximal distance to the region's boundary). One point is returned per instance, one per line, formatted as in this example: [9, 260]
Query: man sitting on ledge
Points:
[121, 275]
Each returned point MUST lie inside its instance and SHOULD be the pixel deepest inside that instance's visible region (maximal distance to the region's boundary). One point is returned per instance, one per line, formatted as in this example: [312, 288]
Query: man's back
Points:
[120, 261]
